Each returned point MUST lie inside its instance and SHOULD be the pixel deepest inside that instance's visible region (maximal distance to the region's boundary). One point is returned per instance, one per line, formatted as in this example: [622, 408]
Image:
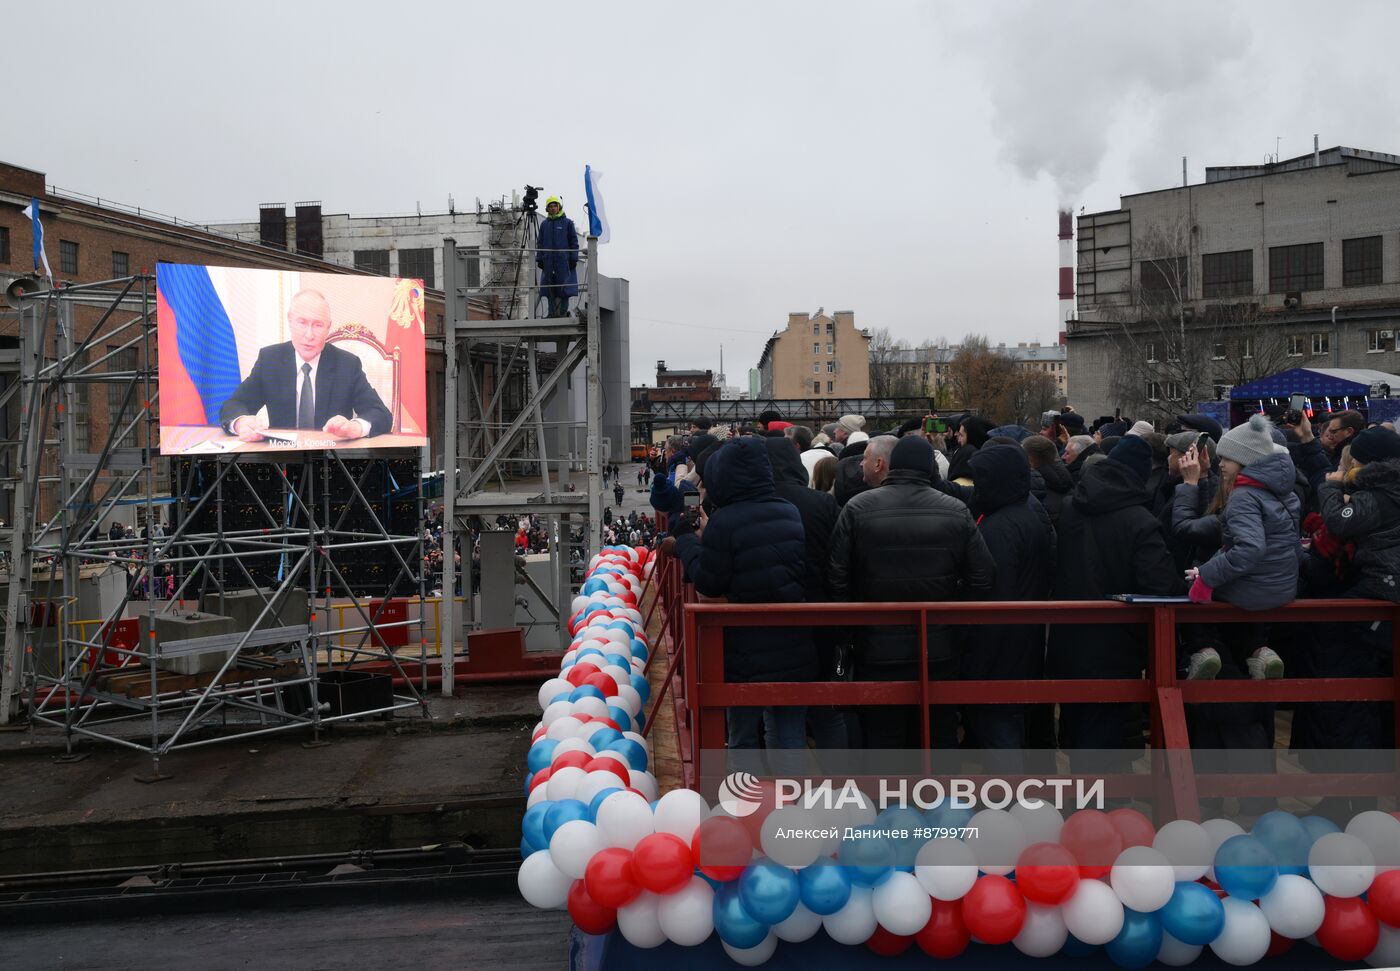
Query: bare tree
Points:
[896, 369]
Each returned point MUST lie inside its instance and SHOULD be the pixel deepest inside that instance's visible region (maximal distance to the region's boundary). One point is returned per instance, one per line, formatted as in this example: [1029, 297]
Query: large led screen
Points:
[268, 360]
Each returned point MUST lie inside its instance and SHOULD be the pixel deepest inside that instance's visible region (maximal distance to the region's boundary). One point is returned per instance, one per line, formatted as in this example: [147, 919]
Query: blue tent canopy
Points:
[1315, 382]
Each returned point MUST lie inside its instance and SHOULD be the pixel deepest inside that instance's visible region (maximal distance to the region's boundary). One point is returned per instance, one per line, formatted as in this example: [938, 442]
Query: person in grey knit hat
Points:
[1250, 442]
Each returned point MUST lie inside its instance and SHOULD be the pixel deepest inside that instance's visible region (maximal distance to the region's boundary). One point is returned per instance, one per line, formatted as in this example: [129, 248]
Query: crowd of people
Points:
[941, 509]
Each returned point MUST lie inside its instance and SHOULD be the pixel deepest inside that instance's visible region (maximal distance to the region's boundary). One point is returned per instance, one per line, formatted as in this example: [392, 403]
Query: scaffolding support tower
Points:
[495, 463]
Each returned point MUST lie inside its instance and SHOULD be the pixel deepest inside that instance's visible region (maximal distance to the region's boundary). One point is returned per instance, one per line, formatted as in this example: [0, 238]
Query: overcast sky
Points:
[903, 160]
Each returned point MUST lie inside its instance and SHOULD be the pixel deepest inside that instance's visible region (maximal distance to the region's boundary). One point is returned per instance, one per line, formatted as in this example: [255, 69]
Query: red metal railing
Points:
[693, 635]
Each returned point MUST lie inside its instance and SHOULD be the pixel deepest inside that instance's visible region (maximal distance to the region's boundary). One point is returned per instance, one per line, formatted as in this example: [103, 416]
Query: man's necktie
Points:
[306, 408]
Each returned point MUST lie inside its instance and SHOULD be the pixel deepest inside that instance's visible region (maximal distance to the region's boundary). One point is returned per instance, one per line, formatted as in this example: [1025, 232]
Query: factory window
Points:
[816, 348]
[830, 327]
[121, 263]
[372, 261]
[816, 367]
[1319, 343]
[473, 266]
[830, 387]
[1217, 351]
[1165, 278]
[1295, 267]
[1154, 391]
[417, 264]
[1379, 340]
[1296, 343]
[67, 256]
[829, 347]
[1227, 274]
[1361, 261]
[816, 387]
[816, 328]
[830, 367]
[1174, 391]
[4, 245]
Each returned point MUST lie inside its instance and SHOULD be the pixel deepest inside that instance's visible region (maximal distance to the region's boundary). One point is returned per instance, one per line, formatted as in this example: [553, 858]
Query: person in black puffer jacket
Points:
[905, 541]
[818, 511]
[1021, 541]
[849, 481]
[1108, 543]
[753, 550]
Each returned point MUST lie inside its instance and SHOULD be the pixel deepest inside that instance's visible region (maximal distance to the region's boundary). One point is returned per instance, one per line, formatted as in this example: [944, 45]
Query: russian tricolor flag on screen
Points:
[198, 354]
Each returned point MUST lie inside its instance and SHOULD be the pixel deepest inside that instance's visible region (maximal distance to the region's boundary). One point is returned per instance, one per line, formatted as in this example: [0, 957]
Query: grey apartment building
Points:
[1187, 291]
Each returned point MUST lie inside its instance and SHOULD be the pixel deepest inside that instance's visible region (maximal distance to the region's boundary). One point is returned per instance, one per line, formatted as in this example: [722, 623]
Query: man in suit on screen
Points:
[306, 384]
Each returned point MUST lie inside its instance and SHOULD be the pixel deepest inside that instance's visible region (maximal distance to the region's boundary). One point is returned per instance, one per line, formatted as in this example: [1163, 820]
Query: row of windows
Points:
[817, 387]
[817, 348]
[413, 264]
[817, 328]
[1293, 268]
[1154, 390]
[817, 367]
[68, 256]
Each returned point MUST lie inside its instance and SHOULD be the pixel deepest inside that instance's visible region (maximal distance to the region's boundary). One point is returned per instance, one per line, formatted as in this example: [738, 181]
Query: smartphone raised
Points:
[1298, 403]
[935, 426]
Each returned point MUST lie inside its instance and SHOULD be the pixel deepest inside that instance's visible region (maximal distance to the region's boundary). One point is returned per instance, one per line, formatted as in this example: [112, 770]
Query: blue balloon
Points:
[946, 817]
[590, 652]
[561, 696]
[1317, 827]
[598, 801]
[630, 750]
[640, 684]
[714, 884]
[1075, 948]
[732, 922]
[593, 586]
[541, 754]
[603, 736]
[587, 691]
[868, 858]
[560, 813]
[1137, 944]
[769, 892]
[639, 650]
[824, 887]
[622, 624]
[1245, 868]
[532, 825]
[1284, 835]
[528, 779]
[905, 819]
[624, 720]
[1194, 914]
[623, 662]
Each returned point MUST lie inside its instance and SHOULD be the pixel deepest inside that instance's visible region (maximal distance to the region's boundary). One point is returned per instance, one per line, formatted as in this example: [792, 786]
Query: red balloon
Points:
[722, 848]
[945, 935]
[1349, 929]
[614, 766]
[540, 776]
[1133, 827]
[576, 674]
[1278, 944]
[994, 910]
[577, 759]
[605, 683]
[662, 863]
[888, 945]
[1090, 835]
[1047, 873]
[538, 733]
[1384, 897]
[608, 878]
[606, 721]
[766, 804]
[588, 915]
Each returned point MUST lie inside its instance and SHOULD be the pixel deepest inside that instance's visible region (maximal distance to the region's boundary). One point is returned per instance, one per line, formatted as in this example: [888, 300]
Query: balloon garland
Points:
[599, 840]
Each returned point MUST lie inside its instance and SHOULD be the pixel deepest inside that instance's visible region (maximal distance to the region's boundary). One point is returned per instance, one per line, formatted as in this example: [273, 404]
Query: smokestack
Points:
[1066, 267]
[1183, 171]
[1317, 157]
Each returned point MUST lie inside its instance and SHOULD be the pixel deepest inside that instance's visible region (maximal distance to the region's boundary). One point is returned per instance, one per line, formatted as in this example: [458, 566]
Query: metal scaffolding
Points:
[303, 516]
[518, 461]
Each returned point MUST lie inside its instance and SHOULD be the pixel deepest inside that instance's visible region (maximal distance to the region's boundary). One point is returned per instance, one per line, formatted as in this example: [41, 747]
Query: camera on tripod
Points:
[532, 193]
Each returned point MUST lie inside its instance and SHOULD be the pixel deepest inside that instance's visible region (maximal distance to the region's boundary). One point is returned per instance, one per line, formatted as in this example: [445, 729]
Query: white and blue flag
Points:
[40, 257]
[597, 212]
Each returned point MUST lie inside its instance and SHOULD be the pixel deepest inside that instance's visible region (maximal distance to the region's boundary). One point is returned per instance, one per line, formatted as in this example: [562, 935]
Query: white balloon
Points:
[1381, 834]
[591, 640]
[901, 905]
[631, 696]
[1245, 937]
[687, 915]
[570, 656]
[617, 759]
[1294, 908]
[1043, 933]
[1341, 865]
[860, 809]
[752, 957]
[1093, 913]
[680, 813]
[801, 926]
[1219, 830]
[556, 711]
[564, 783]
[639, 739]
[946, 868]
[623, 819]
[618, 673]
[594, 783]
[578, 603]
[573, 845]
[616, 635]
[1189, 848]
[573, 745]
[999, 840]
[1177, 954]
[639, 922]
[1041, 824]
[855, 922]
[1143, 878]
[1387, 950]
[552, 687]
[793, 851]
[591, 706]
[538, 794]
[541, 883]
[638, 665]
[566, 727]
[645, 783]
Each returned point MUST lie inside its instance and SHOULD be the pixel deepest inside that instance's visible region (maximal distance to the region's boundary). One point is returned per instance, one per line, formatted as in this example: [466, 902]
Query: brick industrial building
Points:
[1292, 263]
[816, 356]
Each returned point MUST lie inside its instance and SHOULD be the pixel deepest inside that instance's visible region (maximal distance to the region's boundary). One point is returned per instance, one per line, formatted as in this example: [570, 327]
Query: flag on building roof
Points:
[597, 212]
[40, 257]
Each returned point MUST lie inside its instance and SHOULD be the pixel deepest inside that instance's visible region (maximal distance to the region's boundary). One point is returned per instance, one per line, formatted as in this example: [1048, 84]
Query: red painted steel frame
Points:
[694, 637]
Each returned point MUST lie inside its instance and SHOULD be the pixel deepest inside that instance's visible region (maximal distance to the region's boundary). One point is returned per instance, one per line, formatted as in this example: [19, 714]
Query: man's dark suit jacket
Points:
[341, 389]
